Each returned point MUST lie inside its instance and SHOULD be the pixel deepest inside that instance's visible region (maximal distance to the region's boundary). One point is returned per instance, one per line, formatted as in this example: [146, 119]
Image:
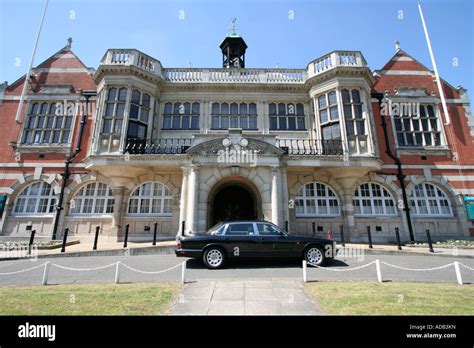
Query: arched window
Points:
[37, 198]
[373, 199]
[151, 198]
[94, 198]
[427, 199]
[316, 199]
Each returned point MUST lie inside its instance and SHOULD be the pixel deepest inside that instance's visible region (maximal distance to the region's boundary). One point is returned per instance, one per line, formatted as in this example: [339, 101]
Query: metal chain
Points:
[83, 269]
[24, 270]
[467, 267]
[417, 269]
[150, 272]
[342, 270]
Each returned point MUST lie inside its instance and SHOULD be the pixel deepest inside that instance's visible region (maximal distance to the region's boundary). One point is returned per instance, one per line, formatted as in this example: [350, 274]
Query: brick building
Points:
[304, 147]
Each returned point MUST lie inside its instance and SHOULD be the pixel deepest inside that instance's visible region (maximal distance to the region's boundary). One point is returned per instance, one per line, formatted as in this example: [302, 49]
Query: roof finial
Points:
[69, 42]
[232, 28]
[397, 46]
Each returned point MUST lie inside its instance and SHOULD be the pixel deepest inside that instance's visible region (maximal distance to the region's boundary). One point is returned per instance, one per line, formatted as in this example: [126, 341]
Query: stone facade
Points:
[308, 140]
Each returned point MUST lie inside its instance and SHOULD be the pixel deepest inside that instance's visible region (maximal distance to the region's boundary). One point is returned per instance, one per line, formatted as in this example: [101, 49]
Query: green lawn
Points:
[367, 298]
[93, 299]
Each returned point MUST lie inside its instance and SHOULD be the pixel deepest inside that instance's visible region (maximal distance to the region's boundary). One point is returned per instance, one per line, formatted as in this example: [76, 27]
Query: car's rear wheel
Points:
[314, 255]
[214, 258]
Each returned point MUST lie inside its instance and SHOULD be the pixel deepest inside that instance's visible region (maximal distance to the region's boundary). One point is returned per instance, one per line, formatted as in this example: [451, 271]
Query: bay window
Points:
[138, 115]
[330, 124]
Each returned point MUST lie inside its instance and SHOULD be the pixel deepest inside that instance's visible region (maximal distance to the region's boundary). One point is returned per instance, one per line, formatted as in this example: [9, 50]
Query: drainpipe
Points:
[400, 175]
[66, 174]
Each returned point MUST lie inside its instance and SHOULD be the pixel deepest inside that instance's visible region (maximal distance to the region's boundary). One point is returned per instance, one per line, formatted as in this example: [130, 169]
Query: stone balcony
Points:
[135, 58]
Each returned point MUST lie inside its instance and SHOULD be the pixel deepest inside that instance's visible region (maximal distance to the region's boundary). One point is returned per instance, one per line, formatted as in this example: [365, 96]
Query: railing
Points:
[293, 76]
[337, 59]
[309, 147]
[158, 146]
[132, 57]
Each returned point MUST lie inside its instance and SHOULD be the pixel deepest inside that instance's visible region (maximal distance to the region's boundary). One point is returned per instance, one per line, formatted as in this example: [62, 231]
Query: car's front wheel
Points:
[214, 258]
[314, 255]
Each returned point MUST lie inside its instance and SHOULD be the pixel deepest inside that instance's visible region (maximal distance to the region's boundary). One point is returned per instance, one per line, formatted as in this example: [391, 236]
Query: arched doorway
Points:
[233, 201]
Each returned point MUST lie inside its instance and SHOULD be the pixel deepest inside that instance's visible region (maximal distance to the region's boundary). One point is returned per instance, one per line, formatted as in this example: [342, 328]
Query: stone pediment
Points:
[235, 142]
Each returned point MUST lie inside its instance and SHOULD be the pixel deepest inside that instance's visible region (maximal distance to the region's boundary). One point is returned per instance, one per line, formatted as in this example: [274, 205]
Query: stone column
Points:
[348, 213]
[119, 209]
[276, 195]
[347, 194]
[193, 196]
[183, 198]
[284, 196]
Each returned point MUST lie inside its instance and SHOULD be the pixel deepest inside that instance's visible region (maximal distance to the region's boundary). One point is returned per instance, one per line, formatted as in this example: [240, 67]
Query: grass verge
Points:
[88, 299]
[367, 298]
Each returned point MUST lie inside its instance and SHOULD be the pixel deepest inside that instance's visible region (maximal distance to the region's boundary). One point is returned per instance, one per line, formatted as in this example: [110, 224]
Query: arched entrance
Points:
[234, 200]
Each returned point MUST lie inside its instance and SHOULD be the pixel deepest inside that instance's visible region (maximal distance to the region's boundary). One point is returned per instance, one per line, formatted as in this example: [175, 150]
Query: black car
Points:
[253, 239]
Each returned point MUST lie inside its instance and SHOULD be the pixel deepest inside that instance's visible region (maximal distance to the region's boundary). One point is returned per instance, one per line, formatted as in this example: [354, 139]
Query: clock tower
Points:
[233, 49]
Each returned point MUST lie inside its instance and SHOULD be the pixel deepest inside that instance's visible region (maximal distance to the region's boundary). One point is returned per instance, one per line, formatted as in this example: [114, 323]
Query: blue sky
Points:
[318, 27]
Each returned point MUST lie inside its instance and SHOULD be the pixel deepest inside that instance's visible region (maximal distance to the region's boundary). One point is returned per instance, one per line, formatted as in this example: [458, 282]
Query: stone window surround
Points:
[443, 148]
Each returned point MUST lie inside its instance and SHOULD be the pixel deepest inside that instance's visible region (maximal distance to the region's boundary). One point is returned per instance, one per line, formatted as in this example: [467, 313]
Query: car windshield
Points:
[216, 229]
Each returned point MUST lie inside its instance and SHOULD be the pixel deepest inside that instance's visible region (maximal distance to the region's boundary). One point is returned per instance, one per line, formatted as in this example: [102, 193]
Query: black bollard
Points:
[430, 243]
[341, 228]
[369, 234]
[96, 238]
[183, 224]
[32, 238]
[314, 227]
[397, 234]
[66, 231]
[126, 236]
[286, 226]
[154, 233]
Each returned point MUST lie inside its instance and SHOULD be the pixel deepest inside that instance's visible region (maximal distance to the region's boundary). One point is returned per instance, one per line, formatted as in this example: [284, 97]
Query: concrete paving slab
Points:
[228, 293]
[263, 308]
[257, 294]
[259, 284]
[218, 307]
[190, 307]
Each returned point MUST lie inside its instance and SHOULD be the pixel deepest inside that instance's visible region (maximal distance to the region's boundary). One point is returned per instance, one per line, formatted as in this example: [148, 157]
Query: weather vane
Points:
[233, 31]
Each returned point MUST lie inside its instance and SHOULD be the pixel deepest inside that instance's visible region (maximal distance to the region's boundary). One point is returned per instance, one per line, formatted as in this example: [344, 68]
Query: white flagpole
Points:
[435, 68]
[28, 74]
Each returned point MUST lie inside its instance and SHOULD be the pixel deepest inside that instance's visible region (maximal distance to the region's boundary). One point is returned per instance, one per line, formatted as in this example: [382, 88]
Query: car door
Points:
[274, 243]
[241, 240]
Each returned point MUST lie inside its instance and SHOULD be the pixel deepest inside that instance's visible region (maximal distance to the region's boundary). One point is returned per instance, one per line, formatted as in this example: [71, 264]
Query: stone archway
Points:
[234, 199]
